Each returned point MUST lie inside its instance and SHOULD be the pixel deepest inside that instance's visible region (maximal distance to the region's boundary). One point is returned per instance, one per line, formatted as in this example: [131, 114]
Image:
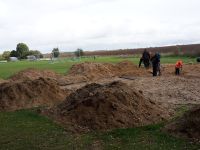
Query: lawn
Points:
[26, 129]
[63, 65]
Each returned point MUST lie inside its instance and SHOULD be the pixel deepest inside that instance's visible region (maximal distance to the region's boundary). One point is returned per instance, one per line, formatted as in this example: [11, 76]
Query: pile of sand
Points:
[34, 74]
[90, 71]
[128, 68]
[30, 93]
[188, 126]
[102, 107]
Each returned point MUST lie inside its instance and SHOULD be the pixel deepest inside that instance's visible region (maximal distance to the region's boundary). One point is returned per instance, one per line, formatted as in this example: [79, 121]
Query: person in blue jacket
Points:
[156, 64]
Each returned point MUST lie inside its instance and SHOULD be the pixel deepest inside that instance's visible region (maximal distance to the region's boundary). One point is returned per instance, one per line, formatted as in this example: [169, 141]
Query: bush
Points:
[6, 55]
[14, 53]
[35, 53]
[55, 52]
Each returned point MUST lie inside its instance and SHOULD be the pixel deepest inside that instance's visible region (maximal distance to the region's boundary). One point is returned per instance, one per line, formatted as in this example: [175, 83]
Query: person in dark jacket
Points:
[140, 63]
[145, 59]
[156, 64]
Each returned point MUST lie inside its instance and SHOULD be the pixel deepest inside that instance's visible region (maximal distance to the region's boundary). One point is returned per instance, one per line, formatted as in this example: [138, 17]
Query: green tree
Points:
[22, 50]
[14, 53]
[36, 53]
[79, 52]
[55, 52]
[6, 55]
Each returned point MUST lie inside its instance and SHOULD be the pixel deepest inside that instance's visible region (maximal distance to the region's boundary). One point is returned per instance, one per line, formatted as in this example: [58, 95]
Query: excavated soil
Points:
[90, 72]
[30, 88]
[93, 71]
[2, 81]
[187, 126]
[108, 106]
[169, 89]
[30, 93]
[32, 74]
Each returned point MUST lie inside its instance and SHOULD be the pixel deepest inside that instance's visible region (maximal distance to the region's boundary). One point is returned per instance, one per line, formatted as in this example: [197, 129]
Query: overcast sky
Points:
[98, 24]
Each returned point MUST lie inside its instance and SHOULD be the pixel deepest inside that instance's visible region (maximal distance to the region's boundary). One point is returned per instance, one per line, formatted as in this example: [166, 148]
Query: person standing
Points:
[140, 63]
[178, 66]
[145, 59]
[156, 64]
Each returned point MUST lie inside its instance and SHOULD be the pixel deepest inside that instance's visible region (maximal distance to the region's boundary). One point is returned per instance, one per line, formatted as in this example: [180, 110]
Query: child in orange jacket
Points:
[178, 66]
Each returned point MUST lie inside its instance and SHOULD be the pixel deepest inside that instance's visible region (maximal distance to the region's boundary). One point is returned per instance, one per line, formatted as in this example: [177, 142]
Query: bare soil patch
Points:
[170, 90]
[188, 71]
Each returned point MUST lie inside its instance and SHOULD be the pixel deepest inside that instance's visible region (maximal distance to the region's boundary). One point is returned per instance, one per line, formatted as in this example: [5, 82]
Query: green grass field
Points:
[63, 65]
[25, 129]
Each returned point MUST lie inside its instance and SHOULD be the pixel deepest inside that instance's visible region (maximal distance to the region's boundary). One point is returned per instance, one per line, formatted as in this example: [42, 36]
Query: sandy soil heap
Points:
[2, 81]
[94, 71]
[90, 71]
[33, 74]
[29, 93]
[187, 126]
[102, 107]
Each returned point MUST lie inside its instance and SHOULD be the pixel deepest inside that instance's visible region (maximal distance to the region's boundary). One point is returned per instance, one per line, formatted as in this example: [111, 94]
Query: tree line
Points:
[22, 51]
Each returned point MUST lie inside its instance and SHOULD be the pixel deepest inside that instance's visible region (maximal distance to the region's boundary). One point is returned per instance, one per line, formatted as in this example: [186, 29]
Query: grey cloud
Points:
[95, 24]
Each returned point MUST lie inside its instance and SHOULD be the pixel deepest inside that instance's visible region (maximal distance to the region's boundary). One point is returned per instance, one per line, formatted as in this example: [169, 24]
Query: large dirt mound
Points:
[30, 93]
[89, 71]
[92, 70]
[33, 74]
[102, 107]
[187, 126]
